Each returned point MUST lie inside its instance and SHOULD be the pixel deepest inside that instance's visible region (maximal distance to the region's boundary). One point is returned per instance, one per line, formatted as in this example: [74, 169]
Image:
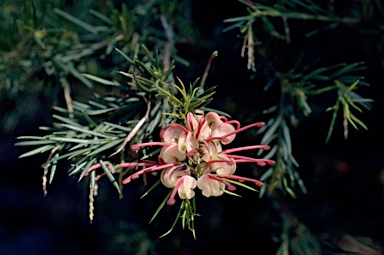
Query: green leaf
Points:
[287, 138]
[287, 188]
[125, 56]
[347, 68]
[73, 154]
[101, 16]
[243, 18]
[353, 85]
[89, 120]
[77, 168]
[87, 166]
[230, 193]
[70, 140]
[107, 146]
[53, 168]
[172, 97]
[160, 206]
[206, 109]
[151, 188]
[174, 223]
[239, 184]
[101, 80]
[66, 120]
[29, 143]
[332, 124]
[125, 129]
[38, 150]
[109, 175]
[86, 131]
[77, 21]
[272, 129]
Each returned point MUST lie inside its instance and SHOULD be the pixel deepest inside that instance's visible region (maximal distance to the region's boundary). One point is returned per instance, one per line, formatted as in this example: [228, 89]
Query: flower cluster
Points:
[192, 156]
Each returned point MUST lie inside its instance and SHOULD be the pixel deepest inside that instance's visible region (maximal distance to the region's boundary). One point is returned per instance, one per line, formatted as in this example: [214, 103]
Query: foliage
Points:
[266, 30]
[57, 47]
[137, 41]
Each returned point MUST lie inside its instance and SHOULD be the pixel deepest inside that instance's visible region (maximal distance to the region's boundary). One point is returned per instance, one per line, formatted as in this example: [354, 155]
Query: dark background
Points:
[344, 178]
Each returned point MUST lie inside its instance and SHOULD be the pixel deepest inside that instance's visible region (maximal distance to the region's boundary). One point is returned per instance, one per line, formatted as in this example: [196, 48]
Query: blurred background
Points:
[344, 205]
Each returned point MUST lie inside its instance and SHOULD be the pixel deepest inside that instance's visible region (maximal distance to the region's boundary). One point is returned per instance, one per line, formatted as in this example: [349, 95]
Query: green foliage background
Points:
[300, 59]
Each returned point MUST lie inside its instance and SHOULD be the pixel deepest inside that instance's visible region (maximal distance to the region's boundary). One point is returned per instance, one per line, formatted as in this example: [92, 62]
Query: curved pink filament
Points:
[229, 186]
[146, 170]
[261, 162]
[171, 200]
[191, 153]
[234, 122]
[258, 124]
[201, 123]
[229, 162]
[253, 147]
[242, 179]
[223, 118]
[185, 130]
[136, 147]
[135, 164]
[91, 169]
[96, 166]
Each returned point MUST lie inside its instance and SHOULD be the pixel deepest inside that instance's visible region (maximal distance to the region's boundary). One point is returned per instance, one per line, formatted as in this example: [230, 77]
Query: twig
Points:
[134, 130]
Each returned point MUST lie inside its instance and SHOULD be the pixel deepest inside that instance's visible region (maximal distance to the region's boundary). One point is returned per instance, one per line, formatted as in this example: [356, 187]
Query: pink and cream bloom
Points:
[192, 156]
[210, 187]
[179, 178]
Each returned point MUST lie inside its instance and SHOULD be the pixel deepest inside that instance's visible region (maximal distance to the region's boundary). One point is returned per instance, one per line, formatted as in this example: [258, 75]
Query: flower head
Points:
[192, 156]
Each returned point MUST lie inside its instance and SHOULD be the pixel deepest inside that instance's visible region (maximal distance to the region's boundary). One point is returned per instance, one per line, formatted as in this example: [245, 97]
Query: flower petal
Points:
[213, 120]
[222, 130]
[186, 188]
[187, 143]
[210, 187]
[224, 168]
[170, 176]
[171, 154]
[171, 134]
[209, 150]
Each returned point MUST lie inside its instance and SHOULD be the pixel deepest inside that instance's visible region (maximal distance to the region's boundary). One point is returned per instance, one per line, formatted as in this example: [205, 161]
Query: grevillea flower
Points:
[192, 156]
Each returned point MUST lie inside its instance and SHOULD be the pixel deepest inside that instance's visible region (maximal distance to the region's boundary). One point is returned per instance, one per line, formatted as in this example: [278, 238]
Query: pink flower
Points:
[198, 126]
[170, 176]
[209, 150]
[186, 188]
[220, 128]
[210, 187]
[172, 154]
[178, 177]
[171, 134]
[192, 155]
[223, 165]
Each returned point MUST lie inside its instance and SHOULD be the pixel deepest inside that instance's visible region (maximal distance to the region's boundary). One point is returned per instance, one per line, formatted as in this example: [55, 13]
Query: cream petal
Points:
[186, 188]
[172, 134]
[170, 176]
[210, 187]
[213, 120]
[209, 150]
[205, 132]
[171, 154]
[224, 168]
[223, 130]
[192, 123]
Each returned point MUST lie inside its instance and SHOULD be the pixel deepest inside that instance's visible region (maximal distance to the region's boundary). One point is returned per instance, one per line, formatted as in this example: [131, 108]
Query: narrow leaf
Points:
[38, 150]
[109, 175]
